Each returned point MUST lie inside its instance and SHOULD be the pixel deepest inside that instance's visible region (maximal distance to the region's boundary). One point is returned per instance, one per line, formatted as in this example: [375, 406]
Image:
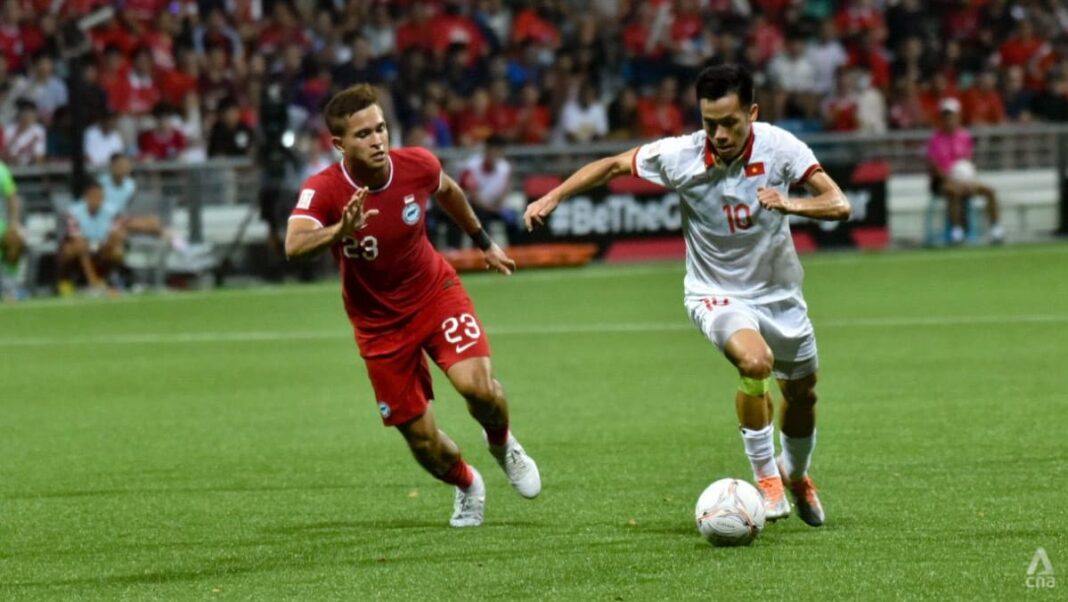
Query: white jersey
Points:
[734, 247]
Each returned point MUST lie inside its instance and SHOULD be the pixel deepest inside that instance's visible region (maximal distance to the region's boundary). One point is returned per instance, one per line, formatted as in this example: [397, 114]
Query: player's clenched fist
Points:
[771, 198]
[353, 216]
[539, 210]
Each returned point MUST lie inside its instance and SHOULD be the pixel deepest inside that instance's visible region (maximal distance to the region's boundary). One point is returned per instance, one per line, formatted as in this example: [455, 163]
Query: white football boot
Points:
[776, 505]
[520, 468]
[469, 506]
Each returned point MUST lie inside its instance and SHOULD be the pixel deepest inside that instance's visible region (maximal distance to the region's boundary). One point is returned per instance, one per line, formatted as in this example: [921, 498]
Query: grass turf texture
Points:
[226, 445]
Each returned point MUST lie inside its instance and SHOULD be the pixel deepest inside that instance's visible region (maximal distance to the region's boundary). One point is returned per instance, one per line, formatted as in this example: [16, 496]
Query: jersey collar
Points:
[345, 172]
[712, 159]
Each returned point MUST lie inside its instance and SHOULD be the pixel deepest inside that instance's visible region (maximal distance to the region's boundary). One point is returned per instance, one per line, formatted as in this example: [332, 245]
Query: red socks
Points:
[497, 437]
[460, 474]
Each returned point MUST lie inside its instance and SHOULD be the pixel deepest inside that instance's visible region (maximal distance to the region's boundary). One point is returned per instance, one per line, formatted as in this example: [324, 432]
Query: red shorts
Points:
[446, 329]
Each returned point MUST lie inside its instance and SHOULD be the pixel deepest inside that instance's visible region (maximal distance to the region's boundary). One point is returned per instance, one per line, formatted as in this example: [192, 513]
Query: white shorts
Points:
[783, 324]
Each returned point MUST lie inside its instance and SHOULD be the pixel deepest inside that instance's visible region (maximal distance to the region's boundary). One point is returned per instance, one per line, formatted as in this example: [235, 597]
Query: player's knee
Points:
[804, 396]
[422, 446]
[478, 386]
[756, 364]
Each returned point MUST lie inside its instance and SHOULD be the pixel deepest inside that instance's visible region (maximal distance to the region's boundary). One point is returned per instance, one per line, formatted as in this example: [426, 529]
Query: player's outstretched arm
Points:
[452, 200]
[305, 238]
[589, 176]
[829, 202]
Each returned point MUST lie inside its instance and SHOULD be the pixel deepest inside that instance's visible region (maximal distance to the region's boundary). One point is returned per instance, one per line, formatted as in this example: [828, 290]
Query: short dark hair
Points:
[716, 81]
[346, 102]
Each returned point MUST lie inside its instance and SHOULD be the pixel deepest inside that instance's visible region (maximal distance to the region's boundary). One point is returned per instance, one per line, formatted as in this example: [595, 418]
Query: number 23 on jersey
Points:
[365, 248]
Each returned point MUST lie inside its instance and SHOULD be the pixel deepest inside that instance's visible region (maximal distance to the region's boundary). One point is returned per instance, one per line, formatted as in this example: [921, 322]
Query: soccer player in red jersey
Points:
[403, 298]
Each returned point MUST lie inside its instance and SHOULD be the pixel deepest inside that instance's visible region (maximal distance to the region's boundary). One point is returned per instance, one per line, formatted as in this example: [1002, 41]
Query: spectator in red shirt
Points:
[12, 43]
[907, 111]
[1025, 49]
[768, 39]
[982, 102]
[532, 24]
[857, 17]
[452, 27]
[871, 56]
[660, 116]
[532, 119]
[142, 90]
[163, 142]
[475, 123]
[114, 78]
[416, 31]
[840, 108]
[938, 88]
[175, 83]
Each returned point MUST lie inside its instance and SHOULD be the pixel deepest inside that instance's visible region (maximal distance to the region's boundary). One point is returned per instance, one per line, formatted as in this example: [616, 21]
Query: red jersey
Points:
[389, 269]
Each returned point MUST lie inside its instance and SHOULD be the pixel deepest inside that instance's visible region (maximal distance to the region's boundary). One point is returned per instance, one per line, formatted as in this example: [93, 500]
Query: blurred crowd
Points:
[188, 79]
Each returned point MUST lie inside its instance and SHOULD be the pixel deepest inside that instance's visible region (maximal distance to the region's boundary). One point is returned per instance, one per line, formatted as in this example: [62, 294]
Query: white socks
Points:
[760, 447]
[796, 454]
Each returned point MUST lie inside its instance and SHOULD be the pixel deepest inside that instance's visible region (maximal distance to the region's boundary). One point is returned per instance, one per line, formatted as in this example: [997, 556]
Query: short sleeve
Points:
[432, 166]
[798, 160]
[648, 163]
[313, 203]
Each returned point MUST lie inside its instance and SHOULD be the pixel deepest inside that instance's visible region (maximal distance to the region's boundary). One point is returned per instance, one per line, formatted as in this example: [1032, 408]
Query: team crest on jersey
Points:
[410, 214]
[383, 409]
[754, 169]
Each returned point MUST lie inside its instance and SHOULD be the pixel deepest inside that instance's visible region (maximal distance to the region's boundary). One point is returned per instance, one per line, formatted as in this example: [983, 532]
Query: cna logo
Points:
[1040, 571]
[410, 214]
[383, 409]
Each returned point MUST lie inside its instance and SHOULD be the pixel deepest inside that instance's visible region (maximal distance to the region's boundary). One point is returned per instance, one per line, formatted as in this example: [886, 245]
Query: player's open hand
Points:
[353, 217]
[539, 210]
[497, 260]
[771, 198]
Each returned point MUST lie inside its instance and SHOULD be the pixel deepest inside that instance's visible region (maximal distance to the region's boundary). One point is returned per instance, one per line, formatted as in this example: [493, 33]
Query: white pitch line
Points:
[341, 334]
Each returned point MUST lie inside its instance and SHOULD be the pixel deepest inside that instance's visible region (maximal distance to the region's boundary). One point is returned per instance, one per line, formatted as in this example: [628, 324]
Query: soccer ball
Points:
[730, 512]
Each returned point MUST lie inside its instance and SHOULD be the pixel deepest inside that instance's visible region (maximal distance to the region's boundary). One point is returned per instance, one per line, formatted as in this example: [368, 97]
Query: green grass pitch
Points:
[226, 445]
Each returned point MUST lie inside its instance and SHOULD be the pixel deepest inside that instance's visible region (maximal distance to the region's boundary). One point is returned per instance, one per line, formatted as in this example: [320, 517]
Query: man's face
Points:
[366, 138]
[94, 198]
[120, 168]
[950, 120]
[727, 124]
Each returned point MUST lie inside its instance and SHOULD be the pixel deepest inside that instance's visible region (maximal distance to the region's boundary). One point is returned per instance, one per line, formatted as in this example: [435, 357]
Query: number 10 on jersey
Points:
[739, 217]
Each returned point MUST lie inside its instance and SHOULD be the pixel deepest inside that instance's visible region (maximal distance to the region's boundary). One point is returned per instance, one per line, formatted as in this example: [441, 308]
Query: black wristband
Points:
[482, 240]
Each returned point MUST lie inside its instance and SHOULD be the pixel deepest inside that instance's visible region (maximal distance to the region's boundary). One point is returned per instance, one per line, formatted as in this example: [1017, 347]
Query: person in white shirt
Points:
[24, 140]
[584, 118]
[486, 178]
[103, 140]
[793, 75]
[743, 278]
[826, 55]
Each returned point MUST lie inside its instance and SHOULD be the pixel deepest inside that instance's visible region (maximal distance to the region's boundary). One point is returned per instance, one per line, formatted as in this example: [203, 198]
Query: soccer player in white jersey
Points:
[743, 278]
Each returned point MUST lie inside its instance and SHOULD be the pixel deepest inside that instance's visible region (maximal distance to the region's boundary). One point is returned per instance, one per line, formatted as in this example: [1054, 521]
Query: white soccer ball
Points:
[962, 170]
[730, 512]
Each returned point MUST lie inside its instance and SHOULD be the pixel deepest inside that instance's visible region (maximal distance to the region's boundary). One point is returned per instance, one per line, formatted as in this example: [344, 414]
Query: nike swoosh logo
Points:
[462, 348]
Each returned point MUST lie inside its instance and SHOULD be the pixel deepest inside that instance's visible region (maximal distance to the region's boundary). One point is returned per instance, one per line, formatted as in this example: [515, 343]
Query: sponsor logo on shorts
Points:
[383, 408]
[411, 212]
[462, 348]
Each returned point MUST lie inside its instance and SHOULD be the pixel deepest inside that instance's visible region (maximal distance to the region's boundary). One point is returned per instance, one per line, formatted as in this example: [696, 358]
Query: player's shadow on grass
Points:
[363, 526]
